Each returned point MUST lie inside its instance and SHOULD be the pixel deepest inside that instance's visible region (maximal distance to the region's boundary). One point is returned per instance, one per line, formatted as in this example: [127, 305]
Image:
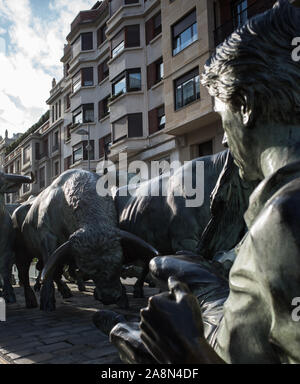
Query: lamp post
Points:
[86, 132]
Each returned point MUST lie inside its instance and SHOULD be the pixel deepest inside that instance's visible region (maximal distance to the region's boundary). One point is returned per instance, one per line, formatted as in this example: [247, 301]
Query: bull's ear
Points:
[55, 259]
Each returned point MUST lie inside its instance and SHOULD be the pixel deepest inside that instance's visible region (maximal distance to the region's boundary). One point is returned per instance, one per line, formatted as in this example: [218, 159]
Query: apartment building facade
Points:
[131, 85]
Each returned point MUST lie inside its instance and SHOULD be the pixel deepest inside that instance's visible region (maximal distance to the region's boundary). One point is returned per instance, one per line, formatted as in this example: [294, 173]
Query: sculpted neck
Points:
[284, 149]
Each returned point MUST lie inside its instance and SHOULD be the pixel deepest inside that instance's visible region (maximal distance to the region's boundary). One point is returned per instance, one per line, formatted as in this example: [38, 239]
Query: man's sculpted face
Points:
[239, 139]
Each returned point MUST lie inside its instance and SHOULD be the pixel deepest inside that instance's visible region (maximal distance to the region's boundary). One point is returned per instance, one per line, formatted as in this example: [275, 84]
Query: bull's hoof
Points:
[105, 320]
[47, 306]
[47, 300]
[30, 299]
[138, 292]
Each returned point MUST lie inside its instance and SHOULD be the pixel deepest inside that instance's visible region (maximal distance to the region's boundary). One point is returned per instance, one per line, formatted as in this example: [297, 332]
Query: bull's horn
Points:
[19, 179]
[58, 255]
[142, 243]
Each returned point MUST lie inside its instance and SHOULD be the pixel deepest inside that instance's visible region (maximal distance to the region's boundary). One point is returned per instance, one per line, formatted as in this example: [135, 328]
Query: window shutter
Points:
[135, 125]
[189, 20]
[101, 147]
[67, 162]
[149, 30]
[151, 75]
[37, 151]
[100, 109]
[132, 36]
[99, 36]
[153, 121]
[100, 73]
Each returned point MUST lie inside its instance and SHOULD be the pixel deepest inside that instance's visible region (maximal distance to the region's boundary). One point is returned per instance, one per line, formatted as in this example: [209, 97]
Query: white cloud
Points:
[32, 58]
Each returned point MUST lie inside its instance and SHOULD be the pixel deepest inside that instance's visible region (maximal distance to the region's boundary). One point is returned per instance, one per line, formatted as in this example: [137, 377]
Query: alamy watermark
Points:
[166, 179]
[296, 51]
[2, 310]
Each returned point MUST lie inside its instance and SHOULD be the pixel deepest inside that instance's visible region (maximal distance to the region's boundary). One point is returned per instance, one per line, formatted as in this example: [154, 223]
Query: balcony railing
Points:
[227, 28]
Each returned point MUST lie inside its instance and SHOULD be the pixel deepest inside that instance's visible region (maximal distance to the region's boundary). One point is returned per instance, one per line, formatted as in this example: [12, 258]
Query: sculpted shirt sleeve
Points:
[257, 326]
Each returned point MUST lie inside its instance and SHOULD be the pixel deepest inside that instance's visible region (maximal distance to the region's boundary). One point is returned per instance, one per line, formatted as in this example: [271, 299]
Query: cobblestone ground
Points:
[66, 336]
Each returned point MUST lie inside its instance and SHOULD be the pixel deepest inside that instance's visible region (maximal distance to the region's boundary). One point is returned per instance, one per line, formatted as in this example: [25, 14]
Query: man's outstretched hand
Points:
[172, 328]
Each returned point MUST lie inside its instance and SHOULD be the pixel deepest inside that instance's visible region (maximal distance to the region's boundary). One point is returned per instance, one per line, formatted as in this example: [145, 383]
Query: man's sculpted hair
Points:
[254, 66]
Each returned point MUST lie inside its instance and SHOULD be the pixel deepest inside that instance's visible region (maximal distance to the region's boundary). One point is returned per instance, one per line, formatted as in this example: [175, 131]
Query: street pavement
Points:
[65, 336]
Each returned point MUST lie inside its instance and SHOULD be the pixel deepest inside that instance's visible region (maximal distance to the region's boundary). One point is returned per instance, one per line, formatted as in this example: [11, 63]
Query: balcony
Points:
[127, 145]
[227, 28]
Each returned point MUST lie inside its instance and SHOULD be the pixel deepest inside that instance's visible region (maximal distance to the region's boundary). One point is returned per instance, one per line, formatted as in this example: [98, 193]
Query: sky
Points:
[32, 38]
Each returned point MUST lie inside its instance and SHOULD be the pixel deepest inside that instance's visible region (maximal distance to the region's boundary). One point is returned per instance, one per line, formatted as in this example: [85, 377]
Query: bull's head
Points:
[103, 264]
[10, 183]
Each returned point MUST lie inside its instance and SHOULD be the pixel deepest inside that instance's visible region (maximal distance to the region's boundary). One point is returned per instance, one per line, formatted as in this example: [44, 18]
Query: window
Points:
[157, 24]
[101, 36]
[184, 32]
[104, 145]
[134, 80]
[187, 89]
[26, 155]
[117, 44]
[44, 151]
[67, 162]
[80, 151]
[128, 126]
[155, 72]
[159, 70]
[76, 81]
[53, 114]
[119, 86]
[77, 154]
[42, 178]
[132, 36]
[77, 117]
[68, 132]
[157, 119]
[55, 141]
[56, 168]
[103, 109]
[128, 37]
[206, 148]
[161, 117]
[67, 101]
[59, 108]
[56, 111]
[128, 81]
[240, 13]
[135, 125]
[86, 41]
[83, 78]
[103, 71]
[131, 2]
[153, 27]
[87, 76]
[84, 114]
[18, 166]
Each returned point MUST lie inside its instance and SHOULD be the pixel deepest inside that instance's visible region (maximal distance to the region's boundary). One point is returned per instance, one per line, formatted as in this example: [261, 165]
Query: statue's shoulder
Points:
[281, 213]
